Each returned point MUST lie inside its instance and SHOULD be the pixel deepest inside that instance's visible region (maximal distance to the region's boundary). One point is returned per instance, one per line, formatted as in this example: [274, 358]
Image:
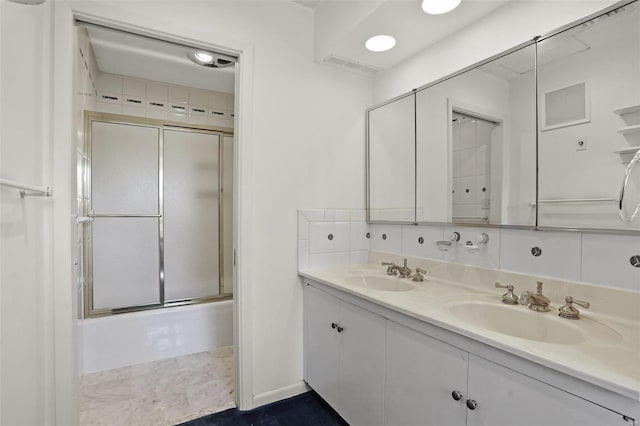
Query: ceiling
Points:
[130, 55]
[413, 29]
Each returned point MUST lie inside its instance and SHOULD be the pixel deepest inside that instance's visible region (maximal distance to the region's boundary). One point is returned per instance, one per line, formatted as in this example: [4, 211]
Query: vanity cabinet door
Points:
[321, 340]
[361, 388]
[421, 375]
[507, 398]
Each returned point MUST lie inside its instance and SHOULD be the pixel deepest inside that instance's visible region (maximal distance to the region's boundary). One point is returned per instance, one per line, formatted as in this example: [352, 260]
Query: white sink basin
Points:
[374, 282]
[518, 321]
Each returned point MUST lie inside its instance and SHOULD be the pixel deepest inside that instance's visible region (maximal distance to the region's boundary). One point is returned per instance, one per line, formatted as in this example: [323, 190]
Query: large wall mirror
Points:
[475, 142]
[478, 136]
[391, 155]
[589, 109]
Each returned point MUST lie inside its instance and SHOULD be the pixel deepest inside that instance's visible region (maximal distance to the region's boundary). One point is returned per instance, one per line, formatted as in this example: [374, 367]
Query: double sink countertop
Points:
[599, 348]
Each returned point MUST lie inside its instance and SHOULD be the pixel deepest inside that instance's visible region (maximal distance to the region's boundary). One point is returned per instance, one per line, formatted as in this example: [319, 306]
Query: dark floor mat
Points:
[307, 409]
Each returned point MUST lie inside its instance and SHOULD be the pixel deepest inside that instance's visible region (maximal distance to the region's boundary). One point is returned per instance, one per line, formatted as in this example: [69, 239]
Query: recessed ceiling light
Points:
[438, 7]
[210, 60]
[203, 56]
[380, 43]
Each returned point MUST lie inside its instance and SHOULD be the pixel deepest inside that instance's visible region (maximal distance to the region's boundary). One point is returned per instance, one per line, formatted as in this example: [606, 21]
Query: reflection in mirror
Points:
[476, 144]
[391, 151]
[589, 105]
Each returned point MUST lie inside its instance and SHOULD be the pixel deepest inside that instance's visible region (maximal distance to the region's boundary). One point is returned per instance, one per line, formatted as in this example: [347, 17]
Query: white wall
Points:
[307, 149]
[506, 27]
[25, 282]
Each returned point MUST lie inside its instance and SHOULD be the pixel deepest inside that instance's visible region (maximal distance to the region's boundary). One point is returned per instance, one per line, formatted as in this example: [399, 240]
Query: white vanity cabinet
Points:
[344, 356]
[375, 366]
[504, 398]
[421, 374]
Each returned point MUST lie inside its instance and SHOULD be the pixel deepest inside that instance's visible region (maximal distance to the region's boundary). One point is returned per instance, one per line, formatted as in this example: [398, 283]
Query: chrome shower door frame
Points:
[87, 241]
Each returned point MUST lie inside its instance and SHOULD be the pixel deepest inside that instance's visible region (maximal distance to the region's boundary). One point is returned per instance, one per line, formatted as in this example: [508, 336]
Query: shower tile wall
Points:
[145, 98]
[471, 167]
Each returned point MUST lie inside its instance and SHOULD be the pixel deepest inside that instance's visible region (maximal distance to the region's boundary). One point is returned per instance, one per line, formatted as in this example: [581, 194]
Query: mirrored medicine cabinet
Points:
[544, 135]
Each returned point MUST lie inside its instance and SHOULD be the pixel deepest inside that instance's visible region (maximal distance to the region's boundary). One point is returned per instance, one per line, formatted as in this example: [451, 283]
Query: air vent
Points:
[351, 65]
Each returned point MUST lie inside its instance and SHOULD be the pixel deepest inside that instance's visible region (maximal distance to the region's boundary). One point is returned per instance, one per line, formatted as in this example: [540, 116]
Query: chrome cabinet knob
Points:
[472, 404]
[456, 395]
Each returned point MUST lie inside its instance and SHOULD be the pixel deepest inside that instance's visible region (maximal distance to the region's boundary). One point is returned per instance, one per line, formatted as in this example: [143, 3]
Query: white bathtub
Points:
[133, 338]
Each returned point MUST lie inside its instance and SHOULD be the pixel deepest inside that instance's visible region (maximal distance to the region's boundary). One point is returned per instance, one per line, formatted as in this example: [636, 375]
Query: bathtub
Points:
[133, 338]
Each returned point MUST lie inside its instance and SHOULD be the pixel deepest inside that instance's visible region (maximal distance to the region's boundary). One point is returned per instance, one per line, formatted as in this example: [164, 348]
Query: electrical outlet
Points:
[581, 144]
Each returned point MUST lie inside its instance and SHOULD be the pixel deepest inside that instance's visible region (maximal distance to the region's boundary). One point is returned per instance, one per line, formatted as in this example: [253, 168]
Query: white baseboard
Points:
[281, 393]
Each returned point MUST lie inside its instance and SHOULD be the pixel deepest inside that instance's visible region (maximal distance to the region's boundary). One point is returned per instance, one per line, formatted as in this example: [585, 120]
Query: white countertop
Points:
[609, 357]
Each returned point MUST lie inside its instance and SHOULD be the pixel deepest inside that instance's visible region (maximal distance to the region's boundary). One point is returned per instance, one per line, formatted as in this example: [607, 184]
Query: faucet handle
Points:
[418, 275]
[391, 268]
[568, 311]
[509, 297]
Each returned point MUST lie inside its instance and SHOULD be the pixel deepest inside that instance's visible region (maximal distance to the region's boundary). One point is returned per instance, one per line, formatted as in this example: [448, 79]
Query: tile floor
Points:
[165, 392]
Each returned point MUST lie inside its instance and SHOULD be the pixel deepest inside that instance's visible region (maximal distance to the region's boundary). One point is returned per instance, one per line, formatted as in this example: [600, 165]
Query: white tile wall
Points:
[177, 103]
[386, 238]
[605, 260]
[348, 242]
[327, 260]
[421, 241]
[561, 254]
[593, 258]
[329, 237]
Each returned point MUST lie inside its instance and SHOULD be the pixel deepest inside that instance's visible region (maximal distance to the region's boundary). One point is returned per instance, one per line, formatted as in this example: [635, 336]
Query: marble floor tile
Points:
[162, 393]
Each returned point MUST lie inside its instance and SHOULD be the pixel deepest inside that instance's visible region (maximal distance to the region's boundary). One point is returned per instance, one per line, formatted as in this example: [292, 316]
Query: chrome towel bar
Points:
[576, 200]
[27, 190]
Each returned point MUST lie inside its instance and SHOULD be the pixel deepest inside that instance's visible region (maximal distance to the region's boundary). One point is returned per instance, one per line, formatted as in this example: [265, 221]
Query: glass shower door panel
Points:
[125, 262]
[124, 168]
[191, 212]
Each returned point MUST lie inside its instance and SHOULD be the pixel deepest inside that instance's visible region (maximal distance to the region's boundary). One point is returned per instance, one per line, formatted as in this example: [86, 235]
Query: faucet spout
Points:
[535, 301]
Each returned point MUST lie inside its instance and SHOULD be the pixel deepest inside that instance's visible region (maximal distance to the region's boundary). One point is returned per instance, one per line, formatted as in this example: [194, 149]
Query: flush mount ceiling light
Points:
[211, 60]
[380, 43]
[438, 7]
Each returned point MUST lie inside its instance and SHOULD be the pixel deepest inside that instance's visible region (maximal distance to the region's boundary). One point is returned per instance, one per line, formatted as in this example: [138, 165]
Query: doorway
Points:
[155, 204]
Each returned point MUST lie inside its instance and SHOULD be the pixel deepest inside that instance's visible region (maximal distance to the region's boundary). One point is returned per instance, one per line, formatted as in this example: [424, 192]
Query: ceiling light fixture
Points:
[380, 43]
[203, 57]
[210, 60]
[438, 7]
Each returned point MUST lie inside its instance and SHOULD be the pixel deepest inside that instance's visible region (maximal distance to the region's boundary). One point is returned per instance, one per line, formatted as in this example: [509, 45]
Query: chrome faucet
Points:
[394, 269]
[535, 301]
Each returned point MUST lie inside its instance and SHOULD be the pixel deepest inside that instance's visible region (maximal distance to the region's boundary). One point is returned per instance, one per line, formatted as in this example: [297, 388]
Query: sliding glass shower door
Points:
[191, 214]
[156, 235]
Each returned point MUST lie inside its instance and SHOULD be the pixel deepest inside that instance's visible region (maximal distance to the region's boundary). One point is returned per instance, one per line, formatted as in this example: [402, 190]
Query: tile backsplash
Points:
[332, 237]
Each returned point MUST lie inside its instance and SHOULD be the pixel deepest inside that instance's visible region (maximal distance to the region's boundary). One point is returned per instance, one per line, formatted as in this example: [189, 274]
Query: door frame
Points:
[65, 367]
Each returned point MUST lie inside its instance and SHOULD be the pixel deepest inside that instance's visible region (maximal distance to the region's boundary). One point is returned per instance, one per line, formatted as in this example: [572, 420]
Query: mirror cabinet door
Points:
[589, 121]
[475, 145]
[391, 158]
